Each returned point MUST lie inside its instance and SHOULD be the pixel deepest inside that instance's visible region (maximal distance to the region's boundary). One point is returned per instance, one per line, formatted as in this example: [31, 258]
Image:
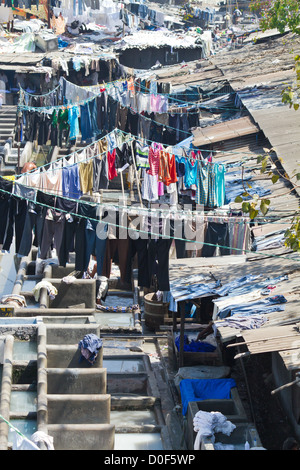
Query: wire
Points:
[156, 235]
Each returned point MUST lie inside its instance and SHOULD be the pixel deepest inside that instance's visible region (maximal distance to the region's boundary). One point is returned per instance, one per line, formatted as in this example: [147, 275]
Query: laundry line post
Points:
[19, 143]
[181, 338]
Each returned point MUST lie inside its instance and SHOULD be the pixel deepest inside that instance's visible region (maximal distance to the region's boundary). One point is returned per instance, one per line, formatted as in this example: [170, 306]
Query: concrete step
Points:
[82, 436]
[11, 120]
[5, 131]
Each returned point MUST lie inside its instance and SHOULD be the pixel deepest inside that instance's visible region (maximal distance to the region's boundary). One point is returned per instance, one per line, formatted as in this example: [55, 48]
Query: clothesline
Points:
[149, 233]
[133, 210]
[152, 234]
[205, 215]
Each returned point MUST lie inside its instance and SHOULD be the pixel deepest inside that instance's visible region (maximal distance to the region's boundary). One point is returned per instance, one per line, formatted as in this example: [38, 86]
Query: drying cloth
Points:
[52, 291]
[20, 442]
[69, 279]
[14, 300]
[206, 424]
[268, 305]
[204, 389]
[243, 322]
[89, 347]
[119, 309]
[194, 346]
[40, 436]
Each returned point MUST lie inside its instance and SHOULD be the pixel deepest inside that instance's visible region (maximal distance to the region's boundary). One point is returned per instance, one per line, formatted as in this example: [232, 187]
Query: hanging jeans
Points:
[216, 234]
[33, 229]
[93, 118]
[140, 246]
[85, 123]
[95, 244]
[116, 248]
[159, 250]
[52, 232]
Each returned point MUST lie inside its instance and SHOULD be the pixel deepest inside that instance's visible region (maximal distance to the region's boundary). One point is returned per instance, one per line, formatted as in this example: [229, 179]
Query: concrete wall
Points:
[73, 406]
[82, 436]
[69, 356]
[70, 334]
[146, 58]
[76, 381]
[81, 291]
[69, 409]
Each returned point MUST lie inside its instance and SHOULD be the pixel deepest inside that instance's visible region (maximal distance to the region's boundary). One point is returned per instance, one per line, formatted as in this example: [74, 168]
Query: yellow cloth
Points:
[9, 177]
[86, 177]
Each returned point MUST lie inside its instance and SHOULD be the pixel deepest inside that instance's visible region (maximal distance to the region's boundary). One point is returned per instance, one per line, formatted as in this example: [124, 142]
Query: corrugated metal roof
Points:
[224, 131]
[274, 338]
[259, 74]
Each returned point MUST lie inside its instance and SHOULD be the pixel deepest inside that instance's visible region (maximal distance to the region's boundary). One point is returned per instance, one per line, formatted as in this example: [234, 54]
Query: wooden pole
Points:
[181, 342]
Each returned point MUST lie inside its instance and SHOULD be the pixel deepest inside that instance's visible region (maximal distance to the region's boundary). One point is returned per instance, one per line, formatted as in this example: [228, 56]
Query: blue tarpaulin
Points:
[204, 389]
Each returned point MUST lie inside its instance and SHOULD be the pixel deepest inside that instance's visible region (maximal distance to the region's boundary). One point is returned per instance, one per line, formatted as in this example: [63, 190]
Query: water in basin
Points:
[23, 402]
[132, 417]
[25, 350]
[125, 366]
[114, 319]
[29, 284]
[138, 441]
[26, 426]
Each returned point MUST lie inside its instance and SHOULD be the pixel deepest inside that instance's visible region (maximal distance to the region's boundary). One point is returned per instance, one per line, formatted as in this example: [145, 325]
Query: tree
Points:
[282, 15]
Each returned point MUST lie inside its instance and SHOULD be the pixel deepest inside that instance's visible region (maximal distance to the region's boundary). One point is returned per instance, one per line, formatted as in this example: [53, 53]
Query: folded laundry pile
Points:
[206, 424]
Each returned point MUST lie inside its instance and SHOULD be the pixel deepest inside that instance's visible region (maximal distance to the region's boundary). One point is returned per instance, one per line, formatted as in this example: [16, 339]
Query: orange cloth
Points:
[167, 168]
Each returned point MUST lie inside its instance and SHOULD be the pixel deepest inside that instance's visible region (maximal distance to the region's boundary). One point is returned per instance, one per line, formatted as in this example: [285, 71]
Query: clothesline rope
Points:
[12, 427]
[131, 138]
[82, 150]
[65, 106]
[159, 235]
[120, 80]
[194, 213]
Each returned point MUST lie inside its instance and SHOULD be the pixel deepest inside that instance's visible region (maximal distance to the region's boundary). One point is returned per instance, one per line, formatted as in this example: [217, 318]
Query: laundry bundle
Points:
[89, 347]
[206, 424]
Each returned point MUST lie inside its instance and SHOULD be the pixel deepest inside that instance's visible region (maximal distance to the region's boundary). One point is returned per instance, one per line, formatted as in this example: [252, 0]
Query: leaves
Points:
[264, 206]
[292, 235]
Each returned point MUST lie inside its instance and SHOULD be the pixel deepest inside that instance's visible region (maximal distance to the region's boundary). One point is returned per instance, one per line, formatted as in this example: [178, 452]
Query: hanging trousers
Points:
[216, 234]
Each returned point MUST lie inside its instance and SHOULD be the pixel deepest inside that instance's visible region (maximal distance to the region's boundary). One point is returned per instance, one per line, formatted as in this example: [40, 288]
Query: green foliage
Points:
[292, 235]
[278, 14]
[253, 205]
[282, 14]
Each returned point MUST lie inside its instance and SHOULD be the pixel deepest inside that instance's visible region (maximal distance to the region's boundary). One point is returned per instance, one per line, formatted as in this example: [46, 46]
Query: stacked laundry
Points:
[207, 424]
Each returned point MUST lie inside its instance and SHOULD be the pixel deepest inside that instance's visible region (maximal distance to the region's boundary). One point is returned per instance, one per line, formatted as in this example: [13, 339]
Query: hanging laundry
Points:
[73, 117]
[71, 186]
[111, 160]
[190, 177]
[167, 168]
[86, 177]
[154, 158]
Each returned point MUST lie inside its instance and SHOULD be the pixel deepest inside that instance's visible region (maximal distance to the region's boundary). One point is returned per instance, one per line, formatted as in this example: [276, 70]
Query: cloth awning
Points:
[224, 131]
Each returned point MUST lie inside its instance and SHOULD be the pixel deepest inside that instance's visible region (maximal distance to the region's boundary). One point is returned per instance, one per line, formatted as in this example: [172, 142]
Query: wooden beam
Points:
[181, 342]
